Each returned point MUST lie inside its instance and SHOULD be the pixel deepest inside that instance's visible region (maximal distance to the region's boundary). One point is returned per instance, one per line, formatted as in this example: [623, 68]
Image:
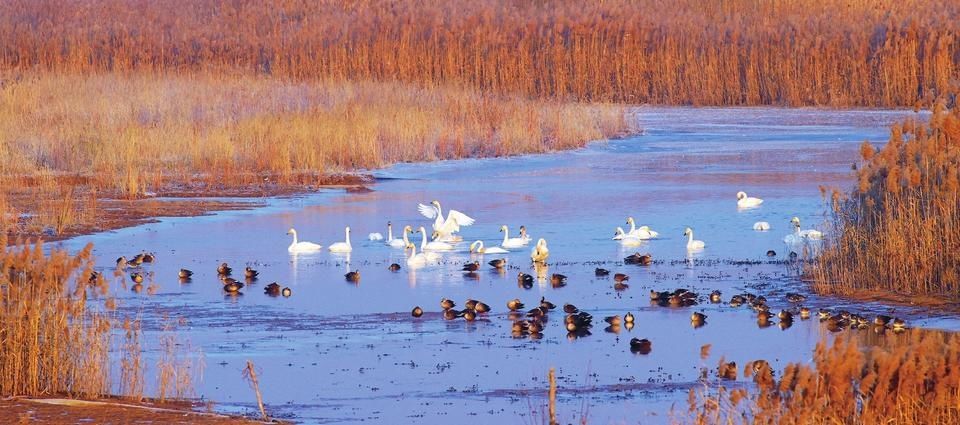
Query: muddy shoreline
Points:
[113, 411]
[76, 207]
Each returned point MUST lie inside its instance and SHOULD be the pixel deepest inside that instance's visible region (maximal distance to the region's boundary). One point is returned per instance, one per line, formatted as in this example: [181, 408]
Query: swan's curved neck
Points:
[633, 226]
[347, 232]
[506, 234]
[478, 246]
[405, 240]
[389, 232]
[423, 239]
[439, 220]
[294, 233]
[690, 237]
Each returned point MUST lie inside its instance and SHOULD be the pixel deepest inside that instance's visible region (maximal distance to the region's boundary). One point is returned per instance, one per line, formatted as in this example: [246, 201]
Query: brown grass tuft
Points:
[51, 340]
[899, 379]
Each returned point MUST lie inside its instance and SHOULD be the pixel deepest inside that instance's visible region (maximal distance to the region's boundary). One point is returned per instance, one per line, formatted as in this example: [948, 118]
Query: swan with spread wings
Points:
[446, 227]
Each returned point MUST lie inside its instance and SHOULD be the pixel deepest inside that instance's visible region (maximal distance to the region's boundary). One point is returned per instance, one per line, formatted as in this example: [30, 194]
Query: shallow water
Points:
[337, 351]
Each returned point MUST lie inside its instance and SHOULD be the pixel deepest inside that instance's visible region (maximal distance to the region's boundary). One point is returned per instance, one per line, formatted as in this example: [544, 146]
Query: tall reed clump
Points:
[51, 340]
[143, 128]
[905, 379]
[743, 52]
[899, 230]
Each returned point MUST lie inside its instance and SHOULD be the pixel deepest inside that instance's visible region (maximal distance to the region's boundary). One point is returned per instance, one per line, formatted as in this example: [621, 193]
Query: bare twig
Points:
[250, 374]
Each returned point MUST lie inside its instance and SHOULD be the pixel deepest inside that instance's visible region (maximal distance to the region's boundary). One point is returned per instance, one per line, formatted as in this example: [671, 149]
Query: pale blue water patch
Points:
[338, 351]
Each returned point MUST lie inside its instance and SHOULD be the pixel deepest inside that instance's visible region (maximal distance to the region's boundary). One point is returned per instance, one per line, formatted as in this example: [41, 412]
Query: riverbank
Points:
[86, 153]
[110, 411]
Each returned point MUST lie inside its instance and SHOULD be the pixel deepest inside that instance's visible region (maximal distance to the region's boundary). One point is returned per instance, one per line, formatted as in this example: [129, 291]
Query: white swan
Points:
[523, 235]
[540, 252]
[416, 260]
[762, 226]
[302, 246]
[743, 201]
[509, 242]
[342, 246]
[480, 249]
[619, 234]
[625, 239]
[433, 245]
[446, 227]
[375, 236]
[806, 234]
[794, 238]
[692, 245]
[642, 232]
[397, 243]
[430, 255]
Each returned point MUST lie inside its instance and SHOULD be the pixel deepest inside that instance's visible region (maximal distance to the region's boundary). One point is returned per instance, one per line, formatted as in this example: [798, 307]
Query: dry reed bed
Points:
[894, 379]
[68, 140]
[899, 230]
[803, 52]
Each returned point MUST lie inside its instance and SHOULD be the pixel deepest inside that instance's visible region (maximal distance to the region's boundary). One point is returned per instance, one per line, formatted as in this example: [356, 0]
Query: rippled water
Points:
[337, 351]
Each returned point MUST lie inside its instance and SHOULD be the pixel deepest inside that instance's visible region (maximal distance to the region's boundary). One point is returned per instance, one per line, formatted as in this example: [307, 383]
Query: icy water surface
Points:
[340, 352]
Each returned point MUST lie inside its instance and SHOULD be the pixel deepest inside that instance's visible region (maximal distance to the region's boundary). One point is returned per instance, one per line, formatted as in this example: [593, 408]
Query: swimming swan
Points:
[642, 232]
[397, 243]
[342, 246]
[625, 239]
[762, 226]
[434, 245]
[302, 246]
[806, 234]
[416, 260]
[540, 252]
[743, 201]
[448, 226]
[509, 242]
[479, 249]
[692, 245]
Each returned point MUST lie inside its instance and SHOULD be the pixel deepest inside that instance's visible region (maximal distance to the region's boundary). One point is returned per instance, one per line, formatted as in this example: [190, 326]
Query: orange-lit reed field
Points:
[743, 52]
[899, 230]
[912, 378]
[129, 126]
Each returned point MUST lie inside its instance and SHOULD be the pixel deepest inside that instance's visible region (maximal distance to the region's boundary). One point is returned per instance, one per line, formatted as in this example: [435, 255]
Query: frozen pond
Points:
[337, 351]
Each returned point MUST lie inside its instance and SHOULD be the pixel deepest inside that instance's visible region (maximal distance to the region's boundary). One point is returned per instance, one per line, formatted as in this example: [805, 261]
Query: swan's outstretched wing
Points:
[428, 211]
[462, 219]
[448, 227]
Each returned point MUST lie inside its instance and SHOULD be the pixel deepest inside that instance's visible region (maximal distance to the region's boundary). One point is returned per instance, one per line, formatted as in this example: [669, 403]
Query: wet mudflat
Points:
[339, 351]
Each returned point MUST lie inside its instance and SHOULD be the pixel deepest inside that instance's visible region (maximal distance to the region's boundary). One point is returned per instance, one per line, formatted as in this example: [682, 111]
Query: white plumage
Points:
[744, 201]
[445, 226]
[302, 246]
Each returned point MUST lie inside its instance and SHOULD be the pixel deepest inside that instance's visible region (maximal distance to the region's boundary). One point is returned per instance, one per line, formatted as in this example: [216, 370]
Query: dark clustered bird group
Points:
[835, 321]
[231, 285]
[531, 323]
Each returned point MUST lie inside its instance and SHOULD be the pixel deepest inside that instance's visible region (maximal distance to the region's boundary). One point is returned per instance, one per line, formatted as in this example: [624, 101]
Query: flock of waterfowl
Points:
[224, 272]
[532, 322]
[444, 236]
